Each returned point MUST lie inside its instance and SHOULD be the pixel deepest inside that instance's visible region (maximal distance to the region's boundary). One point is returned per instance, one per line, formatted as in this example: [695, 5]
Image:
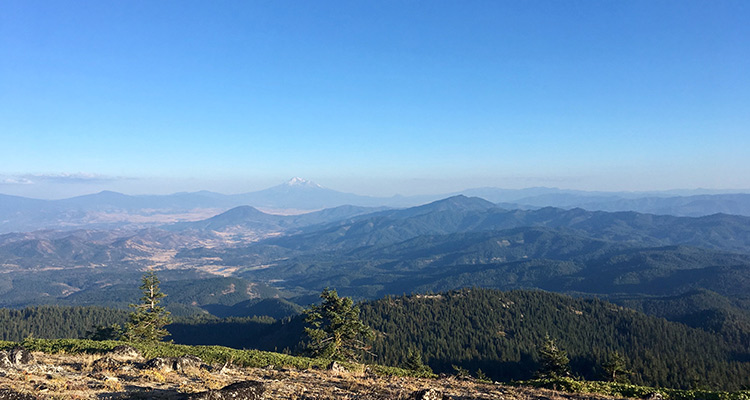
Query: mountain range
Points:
[695, 270]
[461, 241]
[109, 210]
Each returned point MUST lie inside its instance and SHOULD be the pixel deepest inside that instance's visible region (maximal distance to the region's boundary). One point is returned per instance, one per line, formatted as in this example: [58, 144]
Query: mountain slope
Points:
[499, 332]
[461, 214]
[251, 219]
[535, 257]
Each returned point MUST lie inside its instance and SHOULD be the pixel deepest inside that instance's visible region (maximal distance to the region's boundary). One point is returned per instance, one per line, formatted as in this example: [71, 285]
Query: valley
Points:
[248, 274]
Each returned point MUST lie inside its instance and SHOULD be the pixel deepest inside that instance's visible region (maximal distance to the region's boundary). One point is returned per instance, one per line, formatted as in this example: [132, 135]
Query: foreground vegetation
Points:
[209, 354]
[262, 359]
[499, 333]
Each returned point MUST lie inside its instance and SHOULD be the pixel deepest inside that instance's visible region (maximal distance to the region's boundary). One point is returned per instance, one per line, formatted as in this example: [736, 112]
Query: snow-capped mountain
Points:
[302, 194]
[299, 182]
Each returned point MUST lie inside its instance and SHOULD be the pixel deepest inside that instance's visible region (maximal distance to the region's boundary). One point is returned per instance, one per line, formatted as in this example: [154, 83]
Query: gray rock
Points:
[15, 357]
[5, 360]
[654, 396]
[187, 362]
[20, 356]
[426, 394]
[248, 390]
[163, 364]
[169, 364]
[124, 352]
[336, 367]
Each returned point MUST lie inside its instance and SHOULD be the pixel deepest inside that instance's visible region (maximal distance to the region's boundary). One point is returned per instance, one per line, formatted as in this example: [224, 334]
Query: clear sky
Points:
[373, 97]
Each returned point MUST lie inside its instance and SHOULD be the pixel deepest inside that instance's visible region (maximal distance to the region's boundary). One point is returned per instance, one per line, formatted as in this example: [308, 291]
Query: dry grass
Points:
[68, 377]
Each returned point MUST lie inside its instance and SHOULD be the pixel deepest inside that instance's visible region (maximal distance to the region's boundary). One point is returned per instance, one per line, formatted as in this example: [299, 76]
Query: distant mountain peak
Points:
[299, 182]
[455, 203]
[462, 201]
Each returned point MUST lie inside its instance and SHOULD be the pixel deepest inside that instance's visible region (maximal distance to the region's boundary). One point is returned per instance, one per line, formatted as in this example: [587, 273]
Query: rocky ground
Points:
[123, 374]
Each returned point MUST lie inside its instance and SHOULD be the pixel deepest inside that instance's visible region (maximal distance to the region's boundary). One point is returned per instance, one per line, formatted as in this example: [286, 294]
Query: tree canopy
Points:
[335, 330]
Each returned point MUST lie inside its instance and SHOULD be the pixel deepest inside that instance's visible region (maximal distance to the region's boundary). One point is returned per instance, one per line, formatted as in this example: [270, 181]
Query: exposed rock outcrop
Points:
[654, 396]
[169, 364]
[187, 362]
[163, 364]
[21, 356]
[15, 358]
[336, 367]
[426, 394]
[125, 353]
[5, 360]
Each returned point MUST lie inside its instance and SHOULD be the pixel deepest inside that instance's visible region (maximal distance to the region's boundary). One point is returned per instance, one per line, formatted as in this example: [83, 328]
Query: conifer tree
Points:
[148, 320]
[336, 331]
[615, 368]
[555, 362]
[482, 377]
[414, 362]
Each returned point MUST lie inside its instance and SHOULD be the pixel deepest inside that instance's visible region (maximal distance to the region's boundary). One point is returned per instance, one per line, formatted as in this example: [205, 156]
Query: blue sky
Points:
[373, 97]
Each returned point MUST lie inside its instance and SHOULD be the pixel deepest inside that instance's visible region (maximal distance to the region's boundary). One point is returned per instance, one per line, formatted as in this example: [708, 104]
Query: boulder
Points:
[169, 364]
[20, 356]
[15, 357]
[247, 390]
[163, 364]
[124, 352]
[187, 362]
[426, 394]
[5, 360]
[336, 367]
[654, 396]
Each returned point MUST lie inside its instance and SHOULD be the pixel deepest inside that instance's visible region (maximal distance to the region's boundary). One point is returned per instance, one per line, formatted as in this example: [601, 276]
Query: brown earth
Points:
[60, 376]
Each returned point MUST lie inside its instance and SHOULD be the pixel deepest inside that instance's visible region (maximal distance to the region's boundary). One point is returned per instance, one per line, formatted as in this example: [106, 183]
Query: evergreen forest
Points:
[494, 333]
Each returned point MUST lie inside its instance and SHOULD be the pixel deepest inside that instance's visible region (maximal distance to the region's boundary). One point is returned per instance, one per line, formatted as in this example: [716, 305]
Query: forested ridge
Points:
[497, 332]
[52, 322]
[500, 332]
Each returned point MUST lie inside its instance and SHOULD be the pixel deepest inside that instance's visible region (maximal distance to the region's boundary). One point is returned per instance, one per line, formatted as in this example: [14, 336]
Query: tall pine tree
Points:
[555, 362]
[148, 320]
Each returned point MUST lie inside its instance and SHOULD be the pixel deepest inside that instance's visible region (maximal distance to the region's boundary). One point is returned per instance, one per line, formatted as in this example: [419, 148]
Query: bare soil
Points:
[60, 376]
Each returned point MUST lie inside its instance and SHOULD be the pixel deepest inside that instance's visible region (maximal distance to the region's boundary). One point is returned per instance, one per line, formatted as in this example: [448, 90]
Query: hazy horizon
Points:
[377, 99]
[660, 192]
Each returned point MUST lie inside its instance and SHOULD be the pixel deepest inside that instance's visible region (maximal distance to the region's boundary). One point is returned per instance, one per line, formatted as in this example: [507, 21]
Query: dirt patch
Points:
[83, 377]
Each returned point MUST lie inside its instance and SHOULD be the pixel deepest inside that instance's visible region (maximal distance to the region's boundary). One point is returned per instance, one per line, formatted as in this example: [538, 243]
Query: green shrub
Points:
[209, 354]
